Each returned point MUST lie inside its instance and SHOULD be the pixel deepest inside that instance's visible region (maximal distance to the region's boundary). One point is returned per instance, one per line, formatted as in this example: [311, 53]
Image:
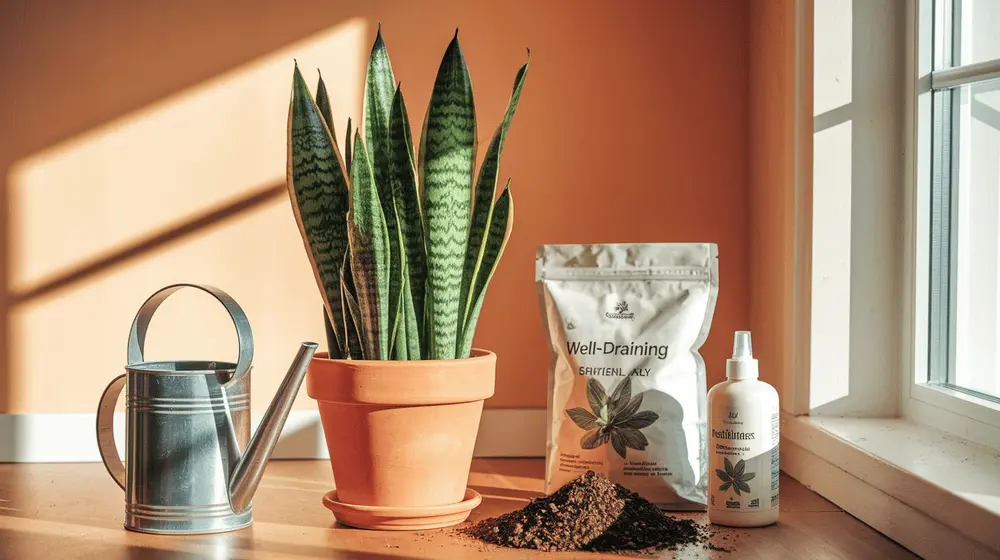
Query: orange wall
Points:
[143, 144]
[772, 36]
[772, 181]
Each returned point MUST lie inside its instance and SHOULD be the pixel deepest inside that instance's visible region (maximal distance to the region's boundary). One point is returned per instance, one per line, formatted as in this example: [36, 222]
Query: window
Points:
[959, 178]
[895, 309]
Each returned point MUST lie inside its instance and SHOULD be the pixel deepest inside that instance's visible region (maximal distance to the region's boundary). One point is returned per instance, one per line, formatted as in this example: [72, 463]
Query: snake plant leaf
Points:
[401, 334]
[347, 147]
[396, 271]
[323, 102]
[317, 187]
[402, 114]
[369, 241]
[352, 319]
[379, 90]
[400, 349]
[408, 317]
[482, 210]
[501, 225]
[352, 330]
[403, 184]
[332, 345]
[446, 160]
[380, 84]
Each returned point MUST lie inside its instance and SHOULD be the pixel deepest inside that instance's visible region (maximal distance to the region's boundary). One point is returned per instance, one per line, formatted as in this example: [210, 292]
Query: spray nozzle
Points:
[742, 348]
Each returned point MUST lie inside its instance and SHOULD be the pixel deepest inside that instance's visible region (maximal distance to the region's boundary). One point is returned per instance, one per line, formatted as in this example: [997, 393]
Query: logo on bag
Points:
[621, 312]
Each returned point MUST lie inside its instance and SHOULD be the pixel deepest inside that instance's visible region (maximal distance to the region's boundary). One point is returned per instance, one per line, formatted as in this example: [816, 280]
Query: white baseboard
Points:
[71, 438]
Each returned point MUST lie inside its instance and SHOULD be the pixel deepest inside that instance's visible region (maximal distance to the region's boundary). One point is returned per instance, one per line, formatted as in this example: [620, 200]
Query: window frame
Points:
[885, 450]
[927, 398]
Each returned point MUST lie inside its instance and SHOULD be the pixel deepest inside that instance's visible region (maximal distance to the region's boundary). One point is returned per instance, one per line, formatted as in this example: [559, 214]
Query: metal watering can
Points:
[191, 464]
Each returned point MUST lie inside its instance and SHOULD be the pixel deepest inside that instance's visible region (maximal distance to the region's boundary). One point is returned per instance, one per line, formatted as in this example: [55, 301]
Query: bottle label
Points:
[743, 460]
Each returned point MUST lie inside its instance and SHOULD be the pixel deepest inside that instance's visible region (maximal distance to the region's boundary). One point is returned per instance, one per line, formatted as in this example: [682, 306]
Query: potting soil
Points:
[590, 513]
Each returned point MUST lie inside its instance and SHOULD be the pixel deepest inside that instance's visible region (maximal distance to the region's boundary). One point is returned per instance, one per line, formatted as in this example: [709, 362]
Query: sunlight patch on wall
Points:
[150, 169]
[829, 378]
[147, 176]
[832, 183]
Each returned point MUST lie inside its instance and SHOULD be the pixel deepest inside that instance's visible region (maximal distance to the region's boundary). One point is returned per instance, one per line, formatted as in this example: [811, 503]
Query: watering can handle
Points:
[106, 430]
[137, 336]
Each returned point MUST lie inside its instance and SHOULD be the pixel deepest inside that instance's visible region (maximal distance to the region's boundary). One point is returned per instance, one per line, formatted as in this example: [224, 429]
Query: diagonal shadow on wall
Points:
[174, 233]
[72, 72]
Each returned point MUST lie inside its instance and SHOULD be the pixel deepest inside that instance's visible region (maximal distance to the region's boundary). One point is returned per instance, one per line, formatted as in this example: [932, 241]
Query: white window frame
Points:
[886, 446]
[950, 409]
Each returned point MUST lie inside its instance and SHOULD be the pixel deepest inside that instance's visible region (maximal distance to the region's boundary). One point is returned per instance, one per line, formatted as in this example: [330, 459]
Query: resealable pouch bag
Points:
[627, 394]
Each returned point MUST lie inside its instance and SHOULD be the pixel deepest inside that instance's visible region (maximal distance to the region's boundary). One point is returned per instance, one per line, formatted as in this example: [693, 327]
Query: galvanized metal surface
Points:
[191, 464]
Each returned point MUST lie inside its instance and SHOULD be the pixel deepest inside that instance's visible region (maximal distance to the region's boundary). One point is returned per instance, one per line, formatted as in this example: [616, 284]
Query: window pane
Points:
[976, 25]
[944, 25]
[976, 215]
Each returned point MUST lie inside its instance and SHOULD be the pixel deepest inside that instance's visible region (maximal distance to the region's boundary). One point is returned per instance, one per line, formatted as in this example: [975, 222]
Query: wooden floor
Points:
[76, 511]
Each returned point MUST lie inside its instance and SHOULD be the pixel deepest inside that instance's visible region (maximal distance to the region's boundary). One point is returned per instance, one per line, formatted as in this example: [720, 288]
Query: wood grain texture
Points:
[76, 511]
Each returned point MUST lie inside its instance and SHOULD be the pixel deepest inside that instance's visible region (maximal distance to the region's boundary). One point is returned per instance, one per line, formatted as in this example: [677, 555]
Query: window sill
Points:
[936, 494]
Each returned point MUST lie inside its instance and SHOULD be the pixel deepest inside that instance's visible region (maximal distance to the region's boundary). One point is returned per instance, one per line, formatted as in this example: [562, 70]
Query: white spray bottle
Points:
[742, 444]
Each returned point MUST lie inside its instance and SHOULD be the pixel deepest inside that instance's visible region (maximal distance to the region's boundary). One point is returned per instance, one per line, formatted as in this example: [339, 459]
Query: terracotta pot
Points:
[401, 436]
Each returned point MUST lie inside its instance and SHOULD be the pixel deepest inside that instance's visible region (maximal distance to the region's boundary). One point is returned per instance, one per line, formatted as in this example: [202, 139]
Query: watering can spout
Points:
[246, 476]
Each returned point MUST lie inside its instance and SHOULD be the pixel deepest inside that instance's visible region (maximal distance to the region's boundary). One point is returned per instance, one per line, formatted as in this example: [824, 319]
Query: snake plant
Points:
[401, 246]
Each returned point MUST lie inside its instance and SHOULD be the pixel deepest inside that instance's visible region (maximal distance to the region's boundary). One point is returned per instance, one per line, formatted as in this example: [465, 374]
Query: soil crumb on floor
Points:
[591, 513]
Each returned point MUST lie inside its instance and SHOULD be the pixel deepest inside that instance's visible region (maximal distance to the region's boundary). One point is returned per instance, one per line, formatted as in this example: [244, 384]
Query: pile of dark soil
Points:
[590, 513]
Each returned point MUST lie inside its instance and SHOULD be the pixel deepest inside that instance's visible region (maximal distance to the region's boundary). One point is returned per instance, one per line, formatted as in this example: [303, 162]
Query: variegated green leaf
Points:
[380, 84]
[353, 349]
[403, 183]
[379, 88]
[369, 240]
[347, 147]
[501, 224]
[333, 347]
[396, 271]
[317, 187]
[352, 325]
[323, 102]
[447, 154]
[482, 210]
[408, 317]
[400, 345]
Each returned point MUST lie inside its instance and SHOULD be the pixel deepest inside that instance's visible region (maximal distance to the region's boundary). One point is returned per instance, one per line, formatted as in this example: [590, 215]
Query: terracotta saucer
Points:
[402, 518]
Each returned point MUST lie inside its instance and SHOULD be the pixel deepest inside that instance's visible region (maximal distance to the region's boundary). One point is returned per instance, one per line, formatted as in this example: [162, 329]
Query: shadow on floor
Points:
[493, 492]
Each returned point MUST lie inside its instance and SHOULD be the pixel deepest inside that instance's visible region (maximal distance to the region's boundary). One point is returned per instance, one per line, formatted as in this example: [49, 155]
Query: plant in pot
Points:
[403, 250]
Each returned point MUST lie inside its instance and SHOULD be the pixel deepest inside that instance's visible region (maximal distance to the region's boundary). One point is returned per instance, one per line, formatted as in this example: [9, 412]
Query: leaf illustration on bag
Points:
[734, 477]
[615, 419]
